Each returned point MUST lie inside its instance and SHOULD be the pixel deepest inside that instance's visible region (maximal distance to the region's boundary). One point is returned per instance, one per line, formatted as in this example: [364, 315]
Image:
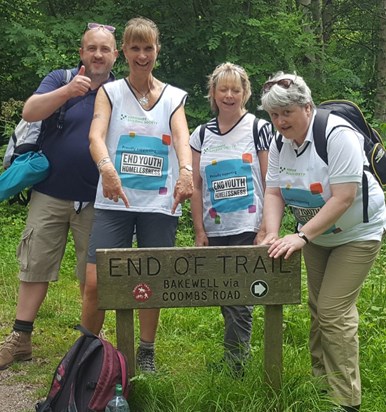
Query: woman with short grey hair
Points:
[339, 248]
[299, 93]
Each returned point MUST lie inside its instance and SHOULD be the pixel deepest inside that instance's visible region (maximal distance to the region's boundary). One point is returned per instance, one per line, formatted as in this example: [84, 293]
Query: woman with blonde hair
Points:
[139, 140]
[229, 166]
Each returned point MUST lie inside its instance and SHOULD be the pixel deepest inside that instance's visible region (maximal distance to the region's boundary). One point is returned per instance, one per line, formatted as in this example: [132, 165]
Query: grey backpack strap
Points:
[67, 76]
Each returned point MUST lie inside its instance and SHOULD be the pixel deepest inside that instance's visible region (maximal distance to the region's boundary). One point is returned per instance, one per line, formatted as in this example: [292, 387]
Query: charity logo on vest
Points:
[141, 164]
[229, 188]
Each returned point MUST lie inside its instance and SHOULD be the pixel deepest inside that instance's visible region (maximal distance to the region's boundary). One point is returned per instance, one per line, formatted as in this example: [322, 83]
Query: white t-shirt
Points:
[305, 179]
[140, 145]
[232, 189]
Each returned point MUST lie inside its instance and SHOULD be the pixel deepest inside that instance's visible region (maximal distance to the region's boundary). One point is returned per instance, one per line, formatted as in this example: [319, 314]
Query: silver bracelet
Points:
[102, 162]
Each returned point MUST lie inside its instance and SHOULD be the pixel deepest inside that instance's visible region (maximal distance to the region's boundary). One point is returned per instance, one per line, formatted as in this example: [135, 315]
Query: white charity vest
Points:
[305, 179]
[140, 145]
[232, 189]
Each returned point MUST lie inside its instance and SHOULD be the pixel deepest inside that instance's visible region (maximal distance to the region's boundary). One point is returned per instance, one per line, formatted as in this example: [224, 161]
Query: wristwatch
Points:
[189, 168]
[303, 236]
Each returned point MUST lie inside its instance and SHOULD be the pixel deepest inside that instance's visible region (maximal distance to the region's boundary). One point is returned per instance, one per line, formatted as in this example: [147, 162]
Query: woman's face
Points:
[292, 121]
[228, 95]
[140, 56]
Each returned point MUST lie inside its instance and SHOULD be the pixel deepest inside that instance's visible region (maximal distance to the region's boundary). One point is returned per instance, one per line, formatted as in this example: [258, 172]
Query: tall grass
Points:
[190, 339]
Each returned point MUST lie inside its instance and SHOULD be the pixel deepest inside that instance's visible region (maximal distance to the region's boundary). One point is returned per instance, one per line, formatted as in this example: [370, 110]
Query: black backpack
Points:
[373, 144]
[85, 379]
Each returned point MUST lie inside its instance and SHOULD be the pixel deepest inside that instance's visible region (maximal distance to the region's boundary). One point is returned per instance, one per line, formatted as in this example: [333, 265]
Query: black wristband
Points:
[303, 236]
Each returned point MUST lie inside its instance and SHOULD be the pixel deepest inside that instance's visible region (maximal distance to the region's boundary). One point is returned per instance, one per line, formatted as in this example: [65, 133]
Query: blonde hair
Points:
[226, 71]
[141, 29]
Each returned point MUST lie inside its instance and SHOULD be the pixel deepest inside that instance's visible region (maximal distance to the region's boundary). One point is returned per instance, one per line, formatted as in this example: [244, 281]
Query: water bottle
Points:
[118, 403]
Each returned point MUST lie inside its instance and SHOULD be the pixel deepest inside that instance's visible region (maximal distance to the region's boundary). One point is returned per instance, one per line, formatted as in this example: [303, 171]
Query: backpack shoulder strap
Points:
[255, 131]
[202, 133]
[320, 139]
[67, 75]
[319, 130]
[84, 330]
[319, 133]
[113, 367]
[279, 142]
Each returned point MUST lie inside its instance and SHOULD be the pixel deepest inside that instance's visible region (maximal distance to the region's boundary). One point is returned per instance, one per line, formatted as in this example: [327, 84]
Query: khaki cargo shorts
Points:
[44, 239]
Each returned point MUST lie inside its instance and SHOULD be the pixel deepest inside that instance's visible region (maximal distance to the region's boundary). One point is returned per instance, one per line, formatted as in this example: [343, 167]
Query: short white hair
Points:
[277, 96]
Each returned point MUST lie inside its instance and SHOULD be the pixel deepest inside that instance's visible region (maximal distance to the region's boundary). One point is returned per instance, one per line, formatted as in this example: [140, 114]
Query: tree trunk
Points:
[312, 10]
[327, 20]
[380, 95]
[304, 6]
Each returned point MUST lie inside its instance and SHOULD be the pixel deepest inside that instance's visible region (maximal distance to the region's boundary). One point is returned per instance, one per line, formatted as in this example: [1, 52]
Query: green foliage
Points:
[10, 114]
[381, 127]
[288, 223]
[185, 231]
[262, 36]
[190, 339]
[196, 36]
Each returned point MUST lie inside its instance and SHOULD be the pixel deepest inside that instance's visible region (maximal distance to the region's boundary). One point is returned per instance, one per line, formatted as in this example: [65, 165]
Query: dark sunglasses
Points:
[92, 26]
[284, 83]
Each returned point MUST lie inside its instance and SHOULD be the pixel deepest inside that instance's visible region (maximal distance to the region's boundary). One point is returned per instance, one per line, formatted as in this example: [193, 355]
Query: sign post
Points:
[191, 277]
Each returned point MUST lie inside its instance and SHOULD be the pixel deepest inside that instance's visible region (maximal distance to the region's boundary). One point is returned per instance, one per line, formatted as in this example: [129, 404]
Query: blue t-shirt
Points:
[74, 175]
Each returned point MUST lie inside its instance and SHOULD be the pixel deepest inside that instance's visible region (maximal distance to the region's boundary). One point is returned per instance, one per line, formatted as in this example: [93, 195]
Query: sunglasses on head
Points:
[92, 26]
[284, 83]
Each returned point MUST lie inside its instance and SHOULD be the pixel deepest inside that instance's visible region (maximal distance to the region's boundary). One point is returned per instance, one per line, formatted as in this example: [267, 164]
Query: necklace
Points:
[143, 100]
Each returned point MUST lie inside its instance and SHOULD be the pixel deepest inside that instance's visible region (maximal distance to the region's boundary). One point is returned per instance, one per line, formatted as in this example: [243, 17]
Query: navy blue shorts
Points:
[116, 228]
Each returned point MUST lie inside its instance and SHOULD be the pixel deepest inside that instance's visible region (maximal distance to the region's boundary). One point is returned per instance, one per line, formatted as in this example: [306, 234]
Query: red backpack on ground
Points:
[85, 379]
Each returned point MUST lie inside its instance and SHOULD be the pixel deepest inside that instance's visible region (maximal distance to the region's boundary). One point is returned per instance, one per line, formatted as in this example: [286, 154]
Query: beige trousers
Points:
[335, 276]
[44, 239]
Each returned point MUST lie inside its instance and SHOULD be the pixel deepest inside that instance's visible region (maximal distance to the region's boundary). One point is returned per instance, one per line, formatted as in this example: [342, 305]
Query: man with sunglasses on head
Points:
[65, 199]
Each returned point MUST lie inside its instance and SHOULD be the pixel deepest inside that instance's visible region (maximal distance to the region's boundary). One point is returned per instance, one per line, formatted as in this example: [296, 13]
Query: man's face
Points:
[98, 52]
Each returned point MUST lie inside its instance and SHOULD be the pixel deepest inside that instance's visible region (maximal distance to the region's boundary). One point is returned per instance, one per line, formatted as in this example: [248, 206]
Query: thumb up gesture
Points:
[80, 84]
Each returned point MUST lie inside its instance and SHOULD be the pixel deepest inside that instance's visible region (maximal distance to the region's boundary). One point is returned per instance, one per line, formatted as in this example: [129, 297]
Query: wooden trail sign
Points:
[190, 277]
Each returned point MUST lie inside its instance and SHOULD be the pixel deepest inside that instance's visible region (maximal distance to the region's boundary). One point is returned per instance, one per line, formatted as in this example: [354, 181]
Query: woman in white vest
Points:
[230, 155]
[327, 201]
[139, 140]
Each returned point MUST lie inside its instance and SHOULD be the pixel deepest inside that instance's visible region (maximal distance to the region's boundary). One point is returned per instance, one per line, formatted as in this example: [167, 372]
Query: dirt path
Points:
[14, 396]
